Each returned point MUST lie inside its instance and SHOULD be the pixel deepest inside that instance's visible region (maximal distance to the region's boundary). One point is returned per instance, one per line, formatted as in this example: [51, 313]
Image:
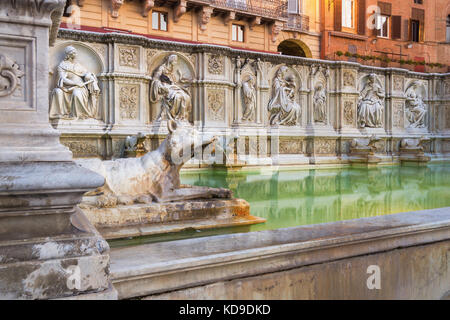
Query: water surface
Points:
[289, 198]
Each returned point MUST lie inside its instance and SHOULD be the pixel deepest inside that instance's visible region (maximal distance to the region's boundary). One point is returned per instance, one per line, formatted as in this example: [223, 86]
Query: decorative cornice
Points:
[133, 39]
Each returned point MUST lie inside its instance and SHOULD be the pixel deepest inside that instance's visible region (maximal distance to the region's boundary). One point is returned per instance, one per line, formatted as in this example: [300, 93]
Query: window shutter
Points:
[396, 27]
[293, 6]
[406, 27]
[338, 15]
[419, 14]
[362, 17]
[385, 8]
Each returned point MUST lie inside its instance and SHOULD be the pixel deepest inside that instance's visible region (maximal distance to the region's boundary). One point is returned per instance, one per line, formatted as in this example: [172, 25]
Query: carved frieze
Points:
[81, 148]
[99, 48]
[447, 117]
[290, 146]
[349, 79]
[10, 74]
[323, 146]
[215, 64]
[349, 113]
[216, 104]
[128, 102]
[398, 114]
[398, 83]
[129, 56]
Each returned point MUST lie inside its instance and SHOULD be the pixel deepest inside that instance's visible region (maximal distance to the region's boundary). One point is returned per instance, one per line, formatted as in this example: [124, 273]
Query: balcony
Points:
[297, 22]
[265, 9]
[276, 9]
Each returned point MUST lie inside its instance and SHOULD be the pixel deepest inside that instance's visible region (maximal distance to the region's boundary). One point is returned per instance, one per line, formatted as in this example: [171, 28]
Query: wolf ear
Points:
[172, 126]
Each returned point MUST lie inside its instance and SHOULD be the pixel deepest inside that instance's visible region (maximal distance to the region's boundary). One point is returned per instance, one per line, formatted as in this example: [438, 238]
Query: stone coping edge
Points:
[139, 271]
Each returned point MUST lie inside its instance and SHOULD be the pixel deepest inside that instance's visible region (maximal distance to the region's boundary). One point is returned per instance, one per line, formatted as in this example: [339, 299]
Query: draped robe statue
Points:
[249, 100]
[76, 93]
[370, 104]
[282, 107]
[320, 98]
[175, 99]
[415, 108]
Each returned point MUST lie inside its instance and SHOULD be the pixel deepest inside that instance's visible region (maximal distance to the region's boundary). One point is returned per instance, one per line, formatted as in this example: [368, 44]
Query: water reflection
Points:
[291, 198]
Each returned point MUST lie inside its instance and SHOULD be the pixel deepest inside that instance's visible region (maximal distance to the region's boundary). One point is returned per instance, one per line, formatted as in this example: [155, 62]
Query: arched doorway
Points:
[294, 47]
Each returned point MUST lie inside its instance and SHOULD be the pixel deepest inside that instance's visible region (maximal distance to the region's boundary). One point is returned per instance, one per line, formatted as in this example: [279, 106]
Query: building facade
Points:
[295, 110]
[411, 34]
[247, 24]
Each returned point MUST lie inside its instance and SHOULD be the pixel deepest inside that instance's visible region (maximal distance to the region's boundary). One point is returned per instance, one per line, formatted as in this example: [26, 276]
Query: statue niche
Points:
[371, 103]
[283, 108]
[171, 90]
[76, 93]
[320, 103]
[249, 97]
[415, 106]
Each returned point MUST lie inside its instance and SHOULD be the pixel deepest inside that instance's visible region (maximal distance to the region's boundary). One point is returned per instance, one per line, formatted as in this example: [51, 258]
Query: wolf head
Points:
[184, 142]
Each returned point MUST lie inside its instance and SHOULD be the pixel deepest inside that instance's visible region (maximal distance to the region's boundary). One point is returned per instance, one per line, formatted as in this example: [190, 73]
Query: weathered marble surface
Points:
[239, 266]
[154, 177]
[231, 92]
[48, 249]
[150, 219]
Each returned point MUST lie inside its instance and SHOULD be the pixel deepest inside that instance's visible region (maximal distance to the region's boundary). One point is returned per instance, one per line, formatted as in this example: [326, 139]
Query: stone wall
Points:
[316, 124]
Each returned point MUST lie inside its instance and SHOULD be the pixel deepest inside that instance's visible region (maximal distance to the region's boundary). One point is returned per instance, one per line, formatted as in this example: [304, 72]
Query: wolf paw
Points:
[106, 201]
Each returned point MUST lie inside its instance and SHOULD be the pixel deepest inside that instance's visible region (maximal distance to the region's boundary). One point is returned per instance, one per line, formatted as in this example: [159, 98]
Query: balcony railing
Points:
[263, 8]
[298, 22]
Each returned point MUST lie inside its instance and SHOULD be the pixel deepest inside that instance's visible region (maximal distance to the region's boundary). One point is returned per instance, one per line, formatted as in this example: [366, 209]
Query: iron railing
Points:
[263, 8]
[298, 22]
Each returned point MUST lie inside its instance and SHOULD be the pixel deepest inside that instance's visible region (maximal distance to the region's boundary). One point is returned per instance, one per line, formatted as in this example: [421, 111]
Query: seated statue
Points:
[167, 89]
[154, 177]
[370, 104]
[415, 107]
[283, 108]
[76, 92]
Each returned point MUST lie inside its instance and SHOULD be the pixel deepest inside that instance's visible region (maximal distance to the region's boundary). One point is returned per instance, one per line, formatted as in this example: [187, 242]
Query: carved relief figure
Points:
[76, 93]
[282, 107]
[371, 104]
[320, 99]
[168, 87]
[249, 95]
[415, 107]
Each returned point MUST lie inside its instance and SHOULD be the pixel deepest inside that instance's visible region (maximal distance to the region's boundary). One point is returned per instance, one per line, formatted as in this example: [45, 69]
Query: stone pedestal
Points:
[48, 249]
[159, 218]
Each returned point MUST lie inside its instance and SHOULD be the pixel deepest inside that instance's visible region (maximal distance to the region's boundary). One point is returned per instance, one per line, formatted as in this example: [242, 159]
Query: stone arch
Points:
[294, 47]
[185, 68]
[291, 71]
[87, 56]
[160, 57]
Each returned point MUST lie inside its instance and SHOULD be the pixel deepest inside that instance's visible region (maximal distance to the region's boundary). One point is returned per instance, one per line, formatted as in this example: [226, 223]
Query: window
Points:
[415, 30]
[448, 28]
[383, 26]
[348, 11]
[237, 33]
[159, 21]
[293, 6]
[418, 1]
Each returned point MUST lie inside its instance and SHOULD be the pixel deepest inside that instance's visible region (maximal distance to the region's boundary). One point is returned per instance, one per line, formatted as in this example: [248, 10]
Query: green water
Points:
[289, 198]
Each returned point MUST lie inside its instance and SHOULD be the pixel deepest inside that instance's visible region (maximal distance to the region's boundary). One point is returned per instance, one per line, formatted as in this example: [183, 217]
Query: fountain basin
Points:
[157, 218]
